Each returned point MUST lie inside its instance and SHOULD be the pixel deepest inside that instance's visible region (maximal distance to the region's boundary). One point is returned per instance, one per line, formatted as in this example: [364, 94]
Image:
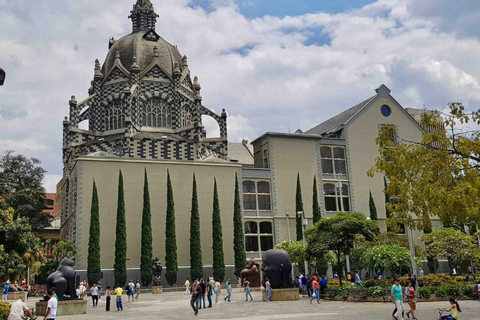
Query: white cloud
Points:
[50, 182]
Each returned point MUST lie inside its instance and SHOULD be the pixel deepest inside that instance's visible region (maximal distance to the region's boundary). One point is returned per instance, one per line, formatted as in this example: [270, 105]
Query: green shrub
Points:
[341, 292]
[425, 292]
[4, 310]
[454, 290]
[441, 292]
[376, 291]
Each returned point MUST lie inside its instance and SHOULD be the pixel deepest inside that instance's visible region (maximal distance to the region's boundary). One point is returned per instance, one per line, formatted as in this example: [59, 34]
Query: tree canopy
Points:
[387, 257]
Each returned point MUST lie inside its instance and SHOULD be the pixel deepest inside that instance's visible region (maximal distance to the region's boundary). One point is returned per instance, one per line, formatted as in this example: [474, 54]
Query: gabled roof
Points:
[337, 122]
[240, 153]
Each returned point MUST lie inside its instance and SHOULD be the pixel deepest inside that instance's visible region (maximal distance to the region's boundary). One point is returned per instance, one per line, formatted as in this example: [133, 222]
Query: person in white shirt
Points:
[18, 309]
[82, 290]
[51, 306]
[94, 292]
[78, 292]
[131, 287]
[137, 290]
[422, 273]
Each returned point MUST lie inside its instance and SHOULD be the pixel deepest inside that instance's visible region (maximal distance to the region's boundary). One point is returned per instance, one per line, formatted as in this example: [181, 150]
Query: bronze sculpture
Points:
[63, 280]
[157, 272]
[251, 274]
[277, 267]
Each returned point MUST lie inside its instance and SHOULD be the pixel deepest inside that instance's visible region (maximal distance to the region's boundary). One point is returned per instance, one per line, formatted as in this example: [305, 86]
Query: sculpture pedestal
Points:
[65, 308]
[290, 294]
[15, 295]
[157, 289]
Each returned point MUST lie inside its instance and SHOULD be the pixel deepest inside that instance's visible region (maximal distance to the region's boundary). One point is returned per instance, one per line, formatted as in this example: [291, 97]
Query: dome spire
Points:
[143, 16]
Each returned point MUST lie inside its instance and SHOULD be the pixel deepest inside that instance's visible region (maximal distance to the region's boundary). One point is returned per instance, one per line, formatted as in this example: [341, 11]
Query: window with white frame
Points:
[336, 199]
[258, 236]
[333, 160]
[156, 113]
[256, 195]
[114, 116]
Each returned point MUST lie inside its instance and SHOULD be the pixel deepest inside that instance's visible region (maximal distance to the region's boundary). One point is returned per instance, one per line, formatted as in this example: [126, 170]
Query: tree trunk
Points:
[340, 271]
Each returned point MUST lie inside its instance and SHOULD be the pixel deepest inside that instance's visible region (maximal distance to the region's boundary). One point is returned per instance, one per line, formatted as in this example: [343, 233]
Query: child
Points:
[454, 309]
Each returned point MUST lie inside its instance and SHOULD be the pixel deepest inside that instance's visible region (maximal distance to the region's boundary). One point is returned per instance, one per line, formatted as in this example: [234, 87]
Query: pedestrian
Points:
[397, 299]
[137, 289]
[410, 299]
[268, 288]
[316, 287]
[94, 292]
[421, 272]
[202, 294]
[131, 287]
[358, 280]
[119, 292]
[218, 290]
[18, 310]
[229, 290]
[82, 290]
[247, 291]
[323, 285]
[454, 309]
[309, 285]
[469, 269]
[78, 292]
[52, 304]
[413, 280]
[5, 292]
[304, 281]
[108, 294]
[187, 287]
[195, 291]
[99, 286]
[209, 293]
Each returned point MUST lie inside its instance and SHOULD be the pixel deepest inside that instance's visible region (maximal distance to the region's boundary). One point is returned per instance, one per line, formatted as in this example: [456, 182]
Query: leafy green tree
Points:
[338, 235]
[65, 249]
[298, 208]
[45, 270]
[238, 235]
[317, 215]
[372, 207]
[387, 257]
[217, 237]
[120, 265]
[170, 237]
[21, 187]
[146, 255]
[20, 248]
[93, 260]
[451, 244]
[297, 255]
[196, 264]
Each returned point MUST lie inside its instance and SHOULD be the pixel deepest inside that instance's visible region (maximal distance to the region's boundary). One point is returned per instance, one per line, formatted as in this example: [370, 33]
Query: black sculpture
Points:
[157, 272]
[277, 267]
[63, 280]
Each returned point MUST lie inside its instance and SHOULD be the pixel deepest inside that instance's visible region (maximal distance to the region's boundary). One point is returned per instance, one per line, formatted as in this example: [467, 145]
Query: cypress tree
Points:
[299, 207]
[196, 264]
[373, 208]
[93, 260]
[317, 215]
[120, 266]
[217, 237]
[238, 236]
[170, 237]
[146, 255]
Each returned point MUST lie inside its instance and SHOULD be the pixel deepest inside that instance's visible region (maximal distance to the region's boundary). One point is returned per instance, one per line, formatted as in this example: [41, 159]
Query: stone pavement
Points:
[175, 305]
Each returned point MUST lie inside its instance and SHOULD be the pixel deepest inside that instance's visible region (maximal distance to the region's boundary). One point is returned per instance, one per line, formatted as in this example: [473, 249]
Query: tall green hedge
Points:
[146, 254]
[196, 264]
[317, 215]
[373, 208]
[170, 237]
[238, 236]
[217, 237]
[120, 266]
[298, 207]
[93, 260]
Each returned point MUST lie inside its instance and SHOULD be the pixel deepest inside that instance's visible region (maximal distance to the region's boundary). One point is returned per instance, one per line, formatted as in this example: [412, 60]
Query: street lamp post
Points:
[304, 224]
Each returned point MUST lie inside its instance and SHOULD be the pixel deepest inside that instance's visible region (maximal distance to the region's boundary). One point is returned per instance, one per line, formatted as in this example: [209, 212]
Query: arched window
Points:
[114, 116]
[186, 116]
[156, 113]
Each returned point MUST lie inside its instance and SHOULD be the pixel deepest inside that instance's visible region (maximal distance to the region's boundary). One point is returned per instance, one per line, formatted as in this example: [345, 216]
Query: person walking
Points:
[119, 292]
[268, 289]
[358, 280]
[108, 293]
[94, 293]
[99, 286]
[421, 272]
[218, 290]
[187, 287]
[323, 285]
[5, 292]
[195, 291]
[397, 299]
[202, 294]
[52, 305]
[316, 287]
[209, 289]
[309, 286]
[410, 299]
[82, 290]
[131, 288]
[229, 290]
[247, 291]
[304, 281]
[137, 289]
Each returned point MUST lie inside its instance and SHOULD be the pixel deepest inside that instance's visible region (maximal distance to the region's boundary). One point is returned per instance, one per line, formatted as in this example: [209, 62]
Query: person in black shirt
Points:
[195, 291]
[209, 294]
[202, 295]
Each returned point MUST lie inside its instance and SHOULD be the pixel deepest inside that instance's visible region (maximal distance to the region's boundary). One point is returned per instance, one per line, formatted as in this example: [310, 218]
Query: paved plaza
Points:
[175, 305]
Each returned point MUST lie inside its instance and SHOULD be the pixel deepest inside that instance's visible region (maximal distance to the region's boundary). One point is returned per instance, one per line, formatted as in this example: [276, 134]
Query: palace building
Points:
[144, 112]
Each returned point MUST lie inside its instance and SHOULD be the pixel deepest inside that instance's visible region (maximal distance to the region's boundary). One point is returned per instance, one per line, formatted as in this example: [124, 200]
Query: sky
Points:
[274, 65]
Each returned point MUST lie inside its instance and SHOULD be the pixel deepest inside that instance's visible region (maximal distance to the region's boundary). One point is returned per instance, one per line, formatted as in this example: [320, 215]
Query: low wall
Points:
[290, 294]
[65, 308]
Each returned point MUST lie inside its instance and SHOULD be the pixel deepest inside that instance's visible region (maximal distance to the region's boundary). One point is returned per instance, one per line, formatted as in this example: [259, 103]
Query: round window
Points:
[386, 111]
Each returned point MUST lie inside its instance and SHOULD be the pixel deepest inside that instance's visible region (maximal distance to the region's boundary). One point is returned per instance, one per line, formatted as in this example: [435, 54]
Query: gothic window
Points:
[114, 116]
[156, 113]
[186, 117]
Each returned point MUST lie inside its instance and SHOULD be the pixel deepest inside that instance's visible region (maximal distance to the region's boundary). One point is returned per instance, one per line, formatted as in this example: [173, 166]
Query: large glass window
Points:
[336, 199]
[256, 195]
[156, 113]
[333, 160]
[114, 116]
[258, 236]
